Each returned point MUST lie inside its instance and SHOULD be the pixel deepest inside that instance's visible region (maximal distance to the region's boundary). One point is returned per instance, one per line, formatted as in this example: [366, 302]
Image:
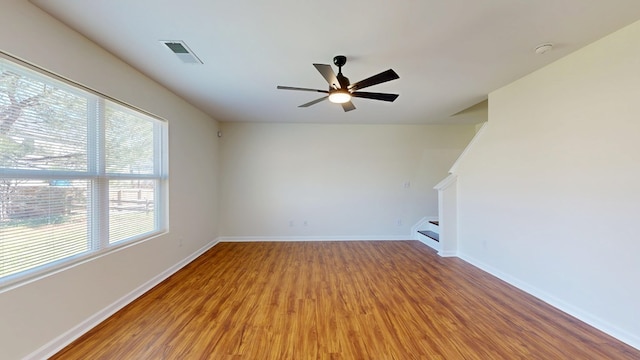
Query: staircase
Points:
[432, 231]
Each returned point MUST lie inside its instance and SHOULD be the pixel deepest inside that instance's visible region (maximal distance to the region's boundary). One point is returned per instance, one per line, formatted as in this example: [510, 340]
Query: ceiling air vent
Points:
[182, 51]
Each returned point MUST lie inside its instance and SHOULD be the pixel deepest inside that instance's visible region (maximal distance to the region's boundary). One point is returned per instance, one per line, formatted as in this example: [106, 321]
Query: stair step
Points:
[430, 234]
[435, 222]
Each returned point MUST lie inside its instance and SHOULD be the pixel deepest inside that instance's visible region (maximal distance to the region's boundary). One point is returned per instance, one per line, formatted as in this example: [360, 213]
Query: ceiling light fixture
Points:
[340, 96]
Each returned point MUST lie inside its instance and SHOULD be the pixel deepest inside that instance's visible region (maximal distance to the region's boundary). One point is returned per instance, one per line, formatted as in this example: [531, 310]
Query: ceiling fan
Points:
[341, 91]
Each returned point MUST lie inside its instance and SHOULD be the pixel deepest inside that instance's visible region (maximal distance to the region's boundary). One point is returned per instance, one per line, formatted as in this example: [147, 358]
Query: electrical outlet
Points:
[399, 222]
[291, 223]
[305, 223]
[180, 242]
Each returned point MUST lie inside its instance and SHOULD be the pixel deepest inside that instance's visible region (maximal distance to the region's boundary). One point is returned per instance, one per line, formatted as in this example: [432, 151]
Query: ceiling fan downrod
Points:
[340, 61]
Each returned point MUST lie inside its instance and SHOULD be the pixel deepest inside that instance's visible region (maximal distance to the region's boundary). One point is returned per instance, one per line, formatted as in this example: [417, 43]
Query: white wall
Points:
[35, 314]
[549, 196]
[346, 181]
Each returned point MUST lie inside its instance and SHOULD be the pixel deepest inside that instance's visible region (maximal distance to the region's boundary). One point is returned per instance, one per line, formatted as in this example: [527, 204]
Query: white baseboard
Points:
[430, 243]
[313, 238]
[65, 339]
[626, 337]
[447, 253]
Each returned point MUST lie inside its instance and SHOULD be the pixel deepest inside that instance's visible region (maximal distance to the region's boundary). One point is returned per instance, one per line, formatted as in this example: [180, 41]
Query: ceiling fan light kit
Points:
[339, 96]
[341, 91]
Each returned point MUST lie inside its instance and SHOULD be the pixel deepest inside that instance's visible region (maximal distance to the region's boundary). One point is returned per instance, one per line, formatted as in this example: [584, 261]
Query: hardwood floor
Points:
[339, 300]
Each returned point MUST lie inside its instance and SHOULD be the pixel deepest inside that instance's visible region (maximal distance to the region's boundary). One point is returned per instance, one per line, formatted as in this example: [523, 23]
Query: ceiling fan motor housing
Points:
[340, 60]
[343, 80]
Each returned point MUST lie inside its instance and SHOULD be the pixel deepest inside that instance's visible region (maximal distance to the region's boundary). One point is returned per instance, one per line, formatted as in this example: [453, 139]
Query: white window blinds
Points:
[79, 172]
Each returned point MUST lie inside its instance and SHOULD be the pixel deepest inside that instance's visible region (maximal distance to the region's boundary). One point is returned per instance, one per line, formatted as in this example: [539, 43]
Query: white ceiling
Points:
[449, 54]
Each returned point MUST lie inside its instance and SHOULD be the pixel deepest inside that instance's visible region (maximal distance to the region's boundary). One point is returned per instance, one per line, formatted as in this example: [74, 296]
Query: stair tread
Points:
[435, 222]
[433, 235]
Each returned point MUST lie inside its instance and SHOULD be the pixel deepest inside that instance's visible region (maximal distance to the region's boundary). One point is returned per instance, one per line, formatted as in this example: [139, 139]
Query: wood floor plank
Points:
[339, 300]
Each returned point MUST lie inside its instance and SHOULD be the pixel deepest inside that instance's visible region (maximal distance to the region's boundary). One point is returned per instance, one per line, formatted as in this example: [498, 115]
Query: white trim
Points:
[313, 238]
[468, 148]
[430, 242]
[624, 336]
[422, 224]
[418, 226]
[448, 226]
[448, 181]
[57, 344]
[448, 253]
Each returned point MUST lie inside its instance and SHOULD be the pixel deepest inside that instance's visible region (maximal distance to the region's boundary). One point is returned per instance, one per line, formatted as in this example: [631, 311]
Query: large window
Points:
[80, 174]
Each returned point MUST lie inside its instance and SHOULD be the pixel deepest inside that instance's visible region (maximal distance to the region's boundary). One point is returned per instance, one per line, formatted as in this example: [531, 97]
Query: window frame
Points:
[97, 177]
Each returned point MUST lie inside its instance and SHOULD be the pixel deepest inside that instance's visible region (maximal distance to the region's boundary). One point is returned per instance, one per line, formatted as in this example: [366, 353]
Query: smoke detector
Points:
[182, 51]
[543, 48]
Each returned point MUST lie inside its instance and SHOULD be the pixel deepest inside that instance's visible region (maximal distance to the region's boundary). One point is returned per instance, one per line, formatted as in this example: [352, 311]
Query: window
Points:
[80, 173]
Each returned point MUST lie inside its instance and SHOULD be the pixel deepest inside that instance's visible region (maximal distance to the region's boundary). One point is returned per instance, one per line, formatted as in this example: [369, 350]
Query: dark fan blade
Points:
[301, 89]
[314, 101]
[348, 106]
[375, 96]
[374, 80]
[328, 74]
